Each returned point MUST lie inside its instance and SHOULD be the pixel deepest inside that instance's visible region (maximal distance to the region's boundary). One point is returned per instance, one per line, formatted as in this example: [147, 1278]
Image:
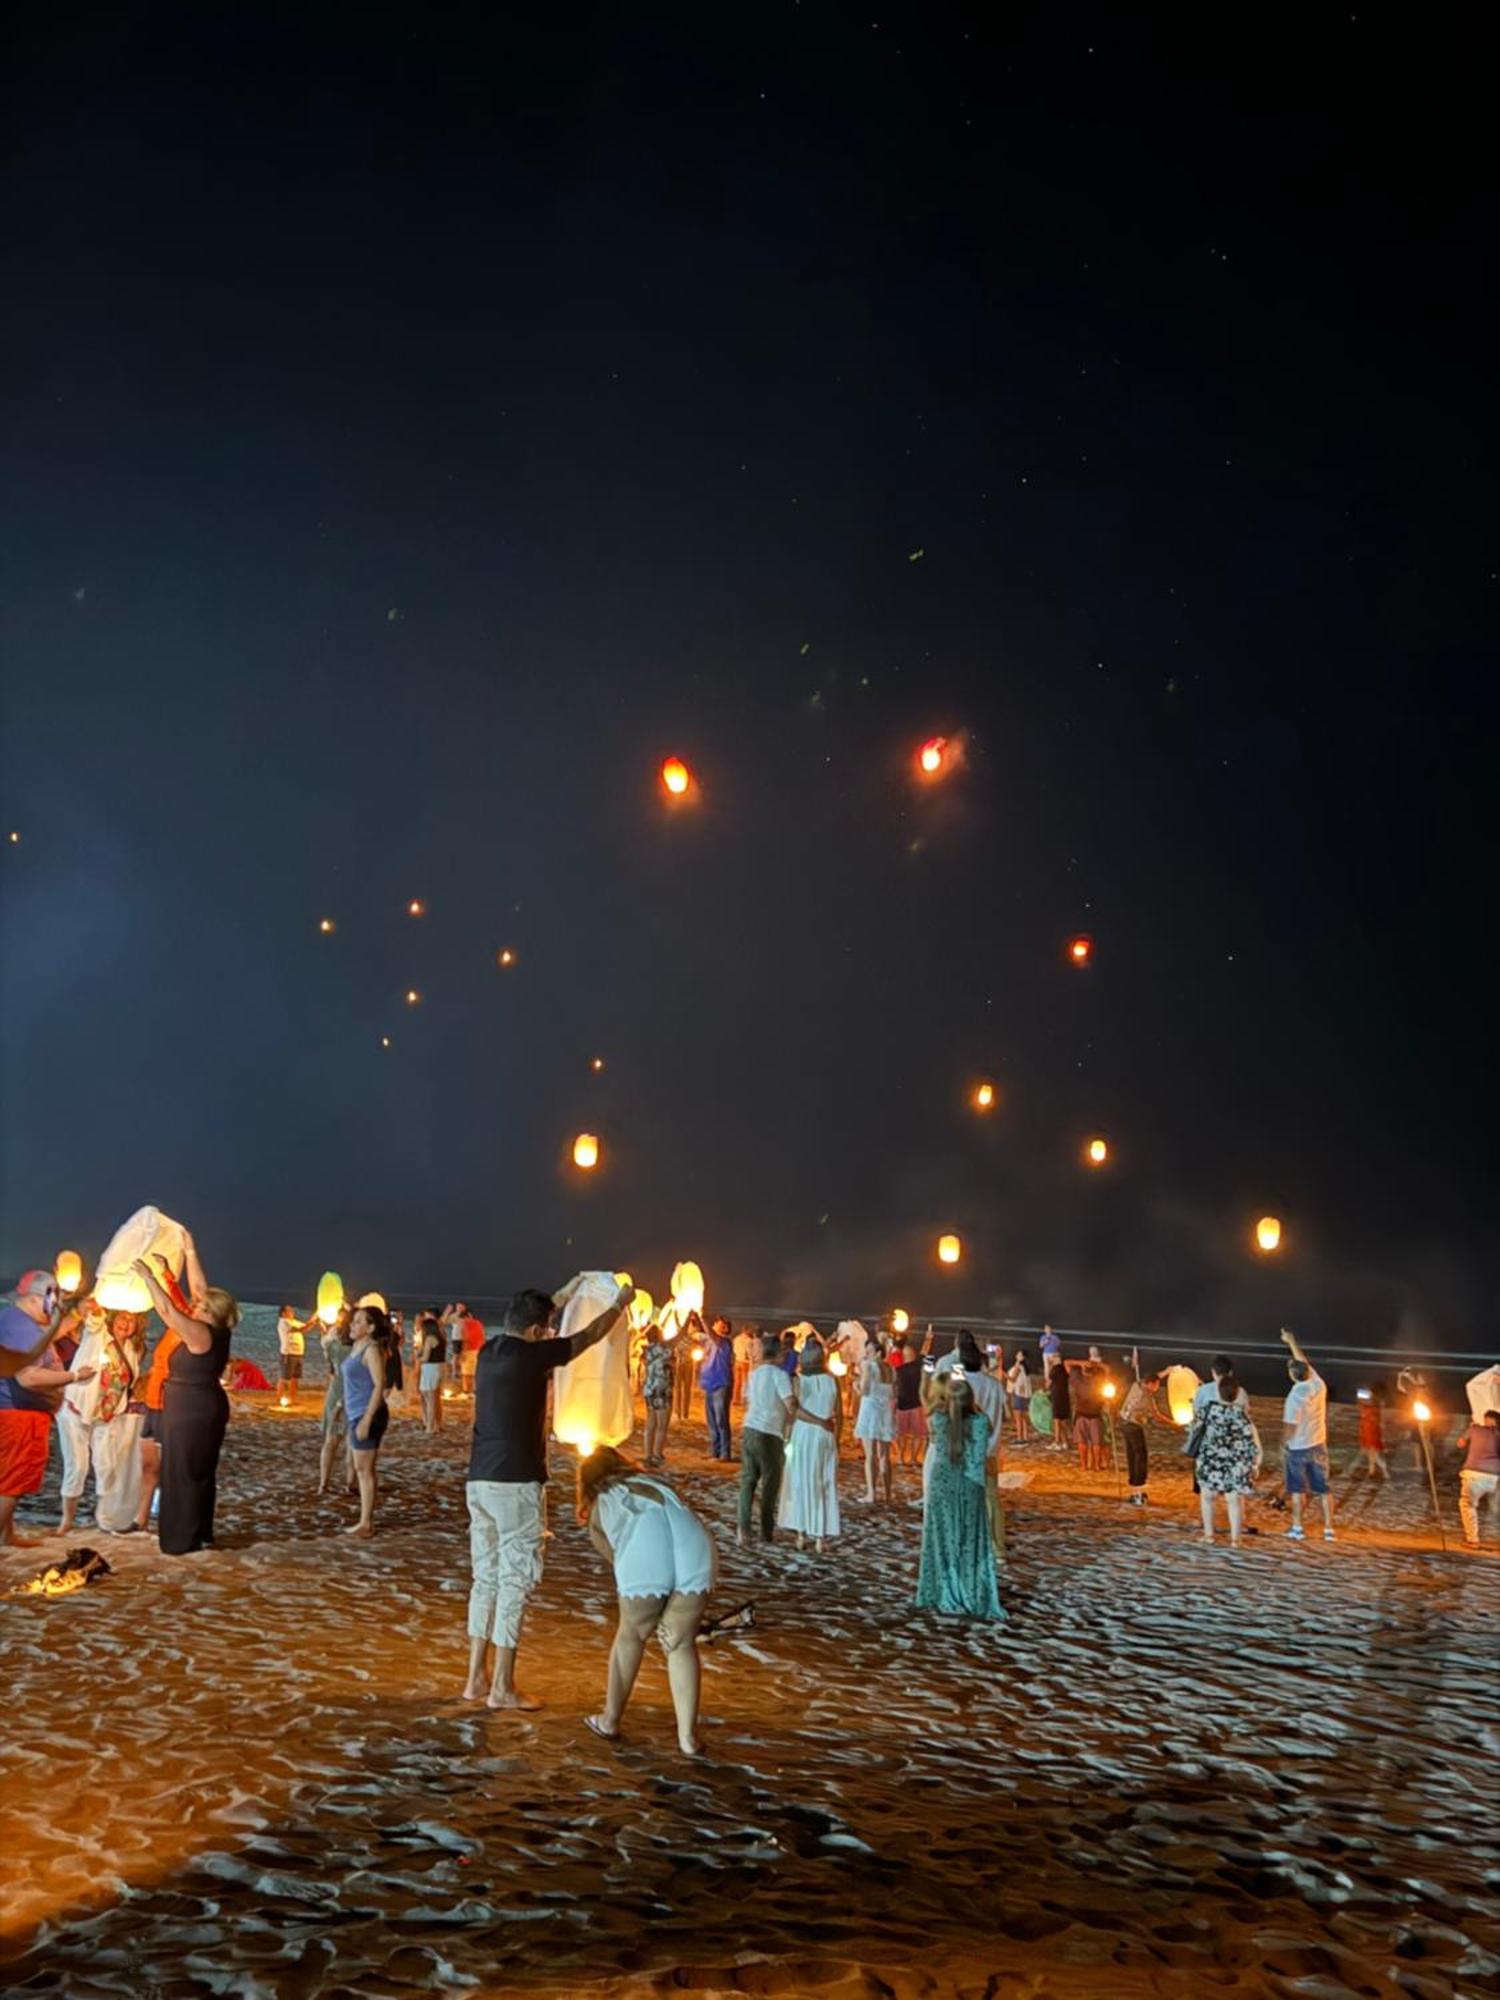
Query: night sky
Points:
[417, 429]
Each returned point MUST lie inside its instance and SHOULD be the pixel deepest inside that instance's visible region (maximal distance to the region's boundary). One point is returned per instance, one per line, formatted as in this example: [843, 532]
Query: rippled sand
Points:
[1174, 1771]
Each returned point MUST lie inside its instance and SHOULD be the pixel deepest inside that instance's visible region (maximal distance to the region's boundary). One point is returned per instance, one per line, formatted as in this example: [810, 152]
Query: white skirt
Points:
[877, 1414]
[810, 1490]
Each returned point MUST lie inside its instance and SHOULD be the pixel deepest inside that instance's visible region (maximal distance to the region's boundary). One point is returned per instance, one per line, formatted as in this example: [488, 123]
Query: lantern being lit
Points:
[1182, 1386]
[68, 1271]
[949, 1249]
[586, 1150]
[330, 1297]
[676, 777]
[1268, 1234]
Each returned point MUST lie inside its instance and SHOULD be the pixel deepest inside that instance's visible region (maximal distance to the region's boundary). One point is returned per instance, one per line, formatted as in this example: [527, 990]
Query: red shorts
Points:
[24, 1438]
[911, 1423]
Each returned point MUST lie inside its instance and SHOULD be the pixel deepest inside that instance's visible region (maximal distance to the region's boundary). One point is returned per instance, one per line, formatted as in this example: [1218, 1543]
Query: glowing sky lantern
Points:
[591, 1403]
[413, 997]
[984, 1096]
[1080, 949]
[327, 926]
[147, 1234]
[597, 1065]
[676, 777]
[900, 1320]
[416, 907]
[330, 1297]
[642, 1310]
[505, 958]
[68, 1271]
[949, 1249]
[586, 1150]
[932, 756]
[1096, 1152]
[1268, 1234]
[1182, 1386]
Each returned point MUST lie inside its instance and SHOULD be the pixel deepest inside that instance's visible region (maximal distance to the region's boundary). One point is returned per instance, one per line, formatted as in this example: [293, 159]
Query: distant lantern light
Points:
[385, 1041]
[68, 1271]
[1080, 949]
[597, 1064]
[676, 777]
[949, 1249]
[413, 997]
[327, 926]
[932, 756]
[900, 1320]
[15, 838]
[505, 958]
[416, 907]
[984, 1096]
[1096, 1152]
[586, 1150]
[330, 1297]
[1268, 1234]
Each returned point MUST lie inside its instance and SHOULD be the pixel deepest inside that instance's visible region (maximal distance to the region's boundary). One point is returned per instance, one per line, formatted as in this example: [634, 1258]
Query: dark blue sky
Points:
[417, 430]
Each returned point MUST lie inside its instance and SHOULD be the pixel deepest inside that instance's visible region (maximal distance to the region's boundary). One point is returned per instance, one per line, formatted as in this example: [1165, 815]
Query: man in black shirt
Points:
[507, 1475]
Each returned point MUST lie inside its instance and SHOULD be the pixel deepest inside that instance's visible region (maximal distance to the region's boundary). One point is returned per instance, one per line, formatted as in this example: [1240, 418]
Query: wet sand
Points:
[1174, 1771]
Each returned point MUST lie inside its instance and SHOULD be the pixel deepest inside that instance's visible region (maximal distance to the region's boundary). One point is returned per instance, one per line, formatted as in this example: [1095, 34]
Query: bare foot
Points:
[22, 1542]
[474, 1691]
[512, 1698]
[362, 1529]
[689, 1746]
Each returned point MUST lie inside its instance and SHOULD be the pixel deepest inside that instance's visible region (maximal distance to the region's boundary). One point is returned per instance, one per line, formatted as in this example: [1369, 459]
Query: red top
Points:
[473, 1334]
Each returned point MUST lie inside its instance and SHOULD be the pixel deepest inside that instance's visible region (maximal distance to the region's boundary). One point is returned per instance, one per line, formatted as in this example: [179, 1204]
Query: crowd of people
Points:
[147, 1422]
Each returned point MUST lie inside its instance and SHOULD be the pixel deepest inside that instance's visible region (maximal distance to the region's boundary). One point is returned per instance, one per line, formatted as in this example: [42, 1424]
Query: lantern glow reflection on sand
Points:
[68, 1271]
[586, 1150]
[950, 1248]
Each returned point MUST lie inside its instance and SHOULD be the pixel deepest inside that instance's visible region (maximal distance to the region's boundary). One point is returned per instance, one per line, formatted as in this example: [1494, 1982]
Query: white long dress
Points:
[877, 1407]
[810, 1489]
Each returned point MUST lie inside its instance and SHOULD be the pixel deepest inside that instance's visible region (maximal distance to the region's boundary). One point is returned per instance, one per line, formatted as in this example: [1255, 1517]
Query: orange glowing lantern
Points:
[597, 1065]
[505, 958]
[413, 997]
[330, 1297]
[1268, 1234]
[1080, 949]
[68, 1271]
[327, 926]
[1096, 1152]
[984, 1096]
[586, 1150]
[932, 756]
[900, 1320]
[416, 907]
[676, 777]
[950, 1248]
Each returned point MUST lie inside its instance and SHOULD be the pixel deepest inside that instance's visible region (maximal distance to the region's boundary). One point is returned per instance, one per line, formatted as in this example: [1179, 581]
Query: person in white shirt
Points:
[767, 1419]
[291, 1339]
[1483, 1391]
[1305, 1439]
[746, 1354]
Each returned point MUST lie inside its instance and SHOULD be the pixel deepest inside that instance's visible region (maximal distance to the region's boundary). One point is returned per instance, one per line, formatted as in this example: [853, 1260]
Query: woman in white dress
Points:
[665, 1565]
[876, 1424]
[810, 1490]
[101, 1423]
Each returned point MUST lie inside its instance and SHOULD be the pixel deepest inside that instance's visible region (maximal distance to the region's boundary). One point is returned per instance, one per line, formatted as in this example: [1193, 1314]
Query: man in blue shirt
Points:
[716, 1380]
[31, 1387]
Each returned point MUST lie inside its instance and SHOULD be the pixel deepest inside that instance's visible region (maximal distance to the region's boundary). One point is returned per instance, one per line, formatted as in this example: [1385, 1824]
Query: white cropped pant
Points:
[506, 1524]
[113, 1449]
[1474, 1488]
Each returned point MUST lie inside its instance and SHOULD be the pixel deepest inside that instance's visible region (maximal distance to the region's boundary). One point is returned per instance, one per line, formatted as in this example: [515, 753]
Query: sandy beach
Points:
[1174, 1771]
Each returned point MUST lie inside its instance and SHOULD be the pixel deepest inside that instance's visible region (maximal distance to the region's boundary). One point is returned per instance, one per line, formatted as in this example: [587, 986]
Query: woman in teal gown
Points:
[957, 1574]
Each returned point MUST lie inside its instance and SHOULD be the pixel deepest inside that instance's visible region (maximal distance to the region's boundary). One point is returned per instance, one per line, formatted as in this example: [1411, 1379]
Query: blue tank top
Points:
[359, 1388]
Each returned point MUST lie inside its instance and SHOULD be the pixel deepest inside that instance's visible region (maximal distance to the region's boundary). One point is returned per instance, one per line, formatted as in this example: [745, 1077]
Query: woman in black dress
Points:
[195, 1410]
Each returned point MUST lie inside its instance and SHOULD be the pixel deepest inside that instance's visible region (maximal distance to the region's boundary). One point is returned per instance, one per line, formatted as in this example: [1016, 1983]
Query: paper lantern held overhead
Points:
[147, 1233]
[68, 1271]
[586, 1150]
[330, 1297]
[591, 1403]
[1268, 1234]
[950, 1249]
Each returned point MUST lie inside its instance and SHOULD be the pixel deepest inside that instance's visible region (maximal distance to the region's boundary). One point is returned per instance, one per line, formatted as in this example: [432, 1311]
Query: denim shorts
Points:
[1307, 1471]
